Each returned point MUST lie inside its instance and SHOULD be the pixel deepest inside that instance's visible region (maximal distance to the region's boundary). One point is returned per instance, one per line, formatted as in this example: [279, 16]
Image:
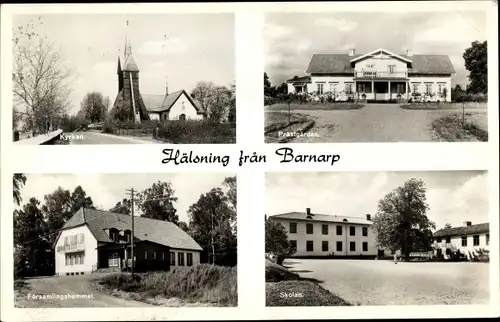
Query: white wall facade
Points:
[455, 243]
[380, 63]
[184, 106]
[434, 82]
[195, 254]
[317, 237]
[86, 250]
[330, 83]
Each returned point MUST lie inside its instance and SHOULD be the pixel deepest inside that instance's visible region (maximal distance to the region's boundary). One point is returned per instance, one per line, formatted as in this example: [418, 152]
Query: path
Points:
[89, 137]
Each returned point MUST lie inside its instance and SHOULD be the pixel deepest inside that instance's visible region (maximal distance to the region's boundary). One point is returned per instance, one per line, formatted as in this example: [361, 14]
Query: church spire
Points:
[128, 47]
[128, 61]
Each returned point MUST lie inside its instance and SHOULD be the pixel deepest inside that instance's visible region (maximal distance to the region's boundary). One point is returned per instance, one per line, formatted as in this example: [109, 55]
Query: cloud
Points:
[452, 28]
[341, 24]
[275, 31]
[166, 46]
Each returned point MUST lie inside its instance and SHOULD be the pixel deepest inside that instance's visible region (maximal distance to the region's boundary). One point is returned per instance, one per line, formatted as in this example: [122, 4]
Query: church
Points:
[130, 104]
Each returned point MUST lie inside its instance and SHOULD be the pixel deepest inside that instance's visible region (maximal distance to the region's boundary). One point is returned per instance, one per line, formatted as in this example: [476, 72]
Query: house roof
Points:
[145, 229]
[303, 79]
[465, 230]
[341, 64]
[359, 57]
[325, 218]
[161, 103]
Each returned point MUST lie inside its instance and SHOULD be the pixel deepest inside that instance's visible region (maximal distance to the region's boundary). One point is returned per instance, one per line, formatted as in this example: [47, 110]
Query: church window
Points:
[182, 117]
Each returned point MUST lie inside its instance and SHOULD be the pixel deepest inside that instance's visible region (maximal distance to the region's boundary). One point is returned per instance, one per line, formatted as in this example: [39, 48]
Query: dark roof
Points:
[465, 230]
[145, 229]
[303, 79]
[341, 63]
[318, 217]
[130, 65]
[161, 103]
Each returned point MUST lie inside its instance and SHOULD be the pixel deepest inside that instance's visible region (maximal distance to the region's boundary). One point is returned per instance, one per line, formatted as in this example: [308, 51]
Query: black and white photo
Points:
[125, 240]
[377, 238]
[123, 79]
[404, 76]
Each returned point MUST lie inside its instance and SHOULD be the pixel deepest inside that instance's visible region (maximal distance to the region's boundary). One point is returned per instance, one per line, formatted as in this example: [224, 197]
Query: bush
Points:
[197, 132]
[199, 283]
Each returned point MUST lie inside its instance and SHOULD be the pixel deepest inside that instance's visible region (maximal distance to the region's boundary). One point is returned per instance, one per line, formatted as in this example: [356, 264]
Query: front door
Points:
[381, 91]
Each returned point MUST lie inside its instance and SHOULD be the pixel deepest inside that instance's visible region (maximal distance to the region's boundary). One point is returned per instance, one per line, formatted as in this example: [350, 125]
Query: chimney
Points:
[467, 223]
[308, 211]
[368, 217]
[409, 52]
[352, 51]
[166, 87]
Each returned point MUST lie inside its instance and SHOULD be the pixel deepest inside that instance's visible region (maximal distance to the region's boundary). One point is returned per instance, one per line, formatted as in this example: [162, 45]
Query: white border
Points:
[249, 70]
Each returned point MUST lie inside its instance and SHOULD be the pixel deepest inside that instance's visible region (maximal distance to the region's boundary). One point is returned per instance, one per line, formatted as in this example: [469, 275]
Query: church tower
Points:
[129, 104]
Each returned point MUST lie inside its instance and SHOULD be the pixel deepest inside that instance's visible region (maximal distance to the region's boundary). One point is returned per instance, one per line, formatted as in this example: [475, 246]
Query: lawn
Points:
[443, 106]
[277, 123]
[284, 288]
[202, 284]
[314, 106]
[452, 128]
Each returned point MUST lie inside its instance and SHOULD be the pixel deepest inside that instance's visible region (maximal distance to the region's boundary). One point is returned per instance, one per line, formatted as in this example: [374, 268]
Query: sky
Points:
[186, 48]
[290, 39]
[108, 189]
[453, 196]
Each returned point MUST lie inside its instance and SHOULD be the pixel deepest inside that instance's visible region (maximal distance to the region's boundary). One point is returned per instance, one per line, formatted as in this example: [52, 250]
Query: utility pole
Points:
[132, 235]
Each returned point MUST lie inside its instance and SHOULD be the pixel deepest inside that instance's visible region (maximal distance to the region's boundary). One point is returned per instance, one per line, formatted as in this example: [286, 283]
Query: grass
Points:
[278, 122]
[315, 106]
[451, 128]
[440, 106]
[284, 288]
[202, 283]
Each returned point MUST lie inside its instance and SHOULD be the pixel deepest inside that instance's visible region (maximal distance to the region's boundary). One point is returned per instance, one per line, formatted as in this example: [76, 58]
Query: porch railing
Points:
[377, 74]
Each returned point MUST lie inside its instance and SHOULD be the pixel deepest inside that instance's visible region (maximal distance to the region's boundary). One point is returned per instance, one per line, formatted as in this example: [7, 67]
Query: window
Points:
[448, 239]
[487, 239]
[324, 229]
[440, 88]
[400, 88]
[365, 246]
[182, 117]
[66, 241]
[146, 254]
[172, 258]
[352, 246]
[309, 246]
[464, 241]
[324, 245]
[180, 258]
[333, 87]
[339, 246]
[348, 88]
[352, 231]
[80, 238]
[415, 87]
[293, 228]
[72, 261]
[476, 240]
[293, 244]
[82, 256]
[67, 260]
[365, 231]
[309, 228]
[77, 259]
[189, 259]
[154, 255]
[428, 88]
[320, 88]
[162, 256]
[339, 230]
[361, 88]
[114, 260]
[392, 69]
[438, 240]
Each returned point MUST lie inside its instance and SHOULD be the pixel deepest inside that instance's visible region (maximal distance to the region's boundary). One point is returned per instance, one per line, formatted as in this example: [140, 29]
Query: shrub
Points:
[481, 255]
[199, 283]
[197, 131]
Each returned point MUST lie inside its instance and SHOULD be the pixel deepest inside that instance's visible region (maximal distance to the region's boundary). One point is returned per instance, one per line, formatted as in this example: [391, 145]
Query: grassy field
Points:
[280, 122]
[284, 288]
[210, 284]
[314, 106]
[451, 128]
[443, 106]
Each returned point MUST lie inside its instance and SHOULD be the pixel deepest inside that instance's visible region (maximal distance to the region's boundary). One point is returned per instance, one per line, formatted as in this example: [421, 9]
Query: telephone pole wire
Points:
[131, 191]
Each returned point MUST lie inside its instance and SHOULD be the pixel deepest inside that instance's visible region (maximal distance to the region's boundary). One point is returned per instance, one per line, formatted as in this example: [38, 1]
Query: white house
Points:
[94, 239]
[174, 106]
[467, 239]
[316, 235]
[378, 75]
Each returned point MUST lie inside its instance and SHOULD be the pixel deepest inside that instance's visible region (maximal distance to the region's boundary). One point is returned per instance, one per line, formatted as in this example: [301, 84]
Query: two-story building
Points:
[467, 239]
[94, 239]
[379, 75]
[317, 235]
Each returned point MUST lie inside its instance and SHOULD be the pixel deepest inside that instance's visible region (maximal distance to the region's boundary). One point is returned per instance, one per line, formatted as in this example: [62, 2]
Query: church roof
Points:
[162, 103]
[130, 64]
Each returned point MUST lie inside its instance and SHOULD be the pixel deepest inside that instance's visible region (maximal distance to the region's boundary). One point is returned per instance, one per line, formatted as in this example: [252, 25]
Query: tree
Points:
[401, 222]
[19, 182]
[182, 225]
[94, 107]
[230, 183]
[40, 81]
[476, 62]
[447, 226]
[232, 106]
[457, 94]
[277, 240]
[267, 85]
[215, 100]
[80, 199]
[123, 207]
[211, 222]
[202, 93]
[157, 201]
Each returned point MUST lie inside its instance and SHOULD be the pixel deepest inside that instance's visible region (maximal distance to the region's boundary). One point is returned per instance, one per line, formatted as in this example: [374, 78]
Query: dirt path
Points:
[67, 287]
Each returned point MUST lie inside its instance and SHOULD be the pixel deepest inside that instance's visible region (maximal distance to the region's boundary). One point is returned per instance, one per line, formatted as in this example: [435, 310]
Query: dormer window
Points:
[113, 234]
[128, 235]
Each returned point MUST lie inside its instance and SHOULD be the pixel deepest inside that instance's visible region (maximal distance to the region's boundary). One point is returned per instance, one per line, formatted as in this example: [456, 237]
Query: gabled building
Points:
[467, 239]
[173, 106]
[317, 235]
[377, 75]
[95, 239]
